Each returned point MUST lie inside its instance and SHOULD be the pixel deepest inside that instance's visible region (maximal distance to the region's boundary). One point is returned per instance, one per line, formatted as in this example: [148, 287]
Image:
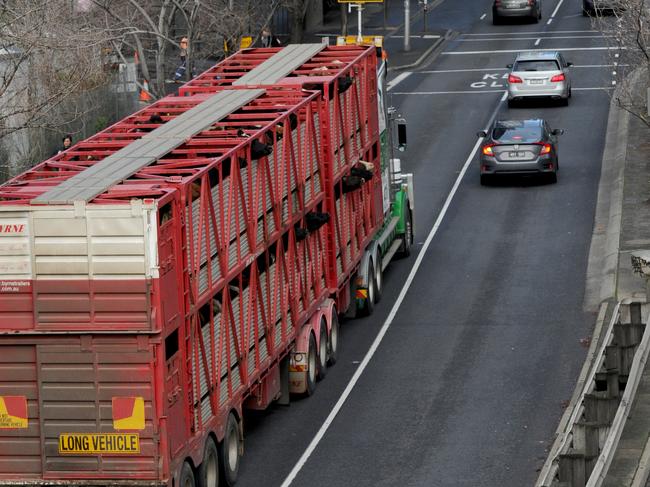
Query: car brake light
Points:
[546, 149]
[531, 3]
[497, 3]
[514, 79]
[487, 150]
[557, 78]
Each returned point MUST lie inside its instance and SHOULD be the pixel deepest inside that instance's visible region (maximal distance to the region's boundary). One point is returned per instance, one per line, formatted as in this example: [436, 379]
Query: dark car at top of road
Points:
[525, 147]
[530, 9]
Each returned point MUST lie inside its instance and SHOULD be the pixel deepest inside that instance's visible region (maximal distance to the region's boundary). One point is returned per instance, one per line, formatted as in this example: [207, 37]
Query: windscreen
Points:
[516, 133]
[536, 66]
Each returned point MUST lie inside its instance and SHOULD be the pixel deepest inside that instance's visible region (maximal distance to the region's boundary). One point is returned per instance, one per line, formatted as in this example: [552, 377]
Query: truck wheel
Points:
[322, 350]
[312, 361]
[187, 476]
[230, 452]
[333, 342]
[209, 468]
[407, 239]
[369, 302]
[378, 280]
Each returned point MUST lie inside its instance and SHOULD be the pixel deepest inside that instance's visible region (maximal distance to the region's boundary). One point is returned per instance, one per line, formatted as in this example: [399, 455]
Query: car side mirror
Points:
[401, 135]
[481, 133]
[557, 131]
[569, 65]
[509, 66]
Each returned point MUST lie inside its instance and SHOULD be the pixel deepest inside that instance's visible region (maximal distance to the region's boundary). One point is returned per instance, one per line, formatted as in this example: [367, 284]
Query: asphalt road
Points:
[468, 384]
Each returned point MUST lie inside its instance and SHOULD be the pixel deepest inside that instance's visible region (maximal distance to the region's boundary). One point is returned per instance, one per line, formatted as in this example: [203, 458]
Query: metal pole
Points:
[359, 22]
[407, 25]
[426, 8]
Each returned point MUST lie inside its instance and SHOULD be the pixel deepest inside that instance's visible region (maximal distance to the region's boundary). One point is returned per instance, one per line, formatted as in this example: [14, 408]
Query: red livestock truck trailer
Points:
[187, 263]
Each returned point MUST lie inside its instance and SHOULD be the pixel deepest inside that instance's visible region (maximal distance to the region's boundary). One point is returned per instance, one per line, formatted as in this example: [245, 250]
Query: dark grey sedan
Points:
[530, 9]
[519, 147]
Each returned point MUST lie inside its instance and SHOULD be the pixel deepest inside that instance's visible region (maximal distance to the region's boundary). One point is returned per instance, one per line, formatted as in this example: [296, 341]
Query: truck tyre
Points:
[407, 239]
[230, 449]
[378, 279]
[312, 365]
[333, 342]
[187, 476]
[323, 347]
[369, 302]
[209, 468]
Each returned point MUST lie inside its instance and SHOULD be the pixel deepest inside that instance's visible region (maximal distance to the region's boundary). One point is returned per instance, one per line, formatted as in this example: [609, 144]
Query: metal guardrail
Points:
[584, 448]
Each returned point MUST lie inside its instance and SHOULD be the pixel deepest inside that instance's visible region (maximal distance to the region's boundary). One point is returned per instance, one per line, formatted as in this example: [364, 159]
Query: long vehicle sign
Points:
[99, 443]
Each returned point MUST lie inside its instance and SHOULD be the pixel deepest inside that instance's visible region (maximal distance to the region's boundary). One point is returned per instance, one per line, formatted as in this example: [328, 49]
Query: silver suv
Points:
[539, 74]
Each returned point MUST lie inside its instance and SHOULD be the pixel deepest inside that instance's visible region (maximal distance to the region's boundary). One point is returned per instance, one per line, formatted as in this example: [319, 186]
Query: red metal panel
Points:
[20, 448]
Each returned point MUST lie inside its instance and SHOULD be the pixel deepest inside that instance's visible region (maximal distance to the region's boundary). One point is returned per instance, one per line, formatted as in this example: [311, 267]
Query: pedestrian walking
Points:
[66, 143]
[267, 39]
[180, 71]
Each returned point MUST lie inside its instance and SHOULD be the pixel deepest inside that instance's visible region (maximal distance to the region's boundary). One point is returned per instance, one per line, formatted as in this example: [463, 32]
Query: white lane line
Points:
[538, 41]
[490, 70]
[525, 33]
[549, 21]
[477, 91]
[474, 39]
[483, 16]
[425, 36]
[389, 320]
[398, 79]
[557, 8]
[497, 51]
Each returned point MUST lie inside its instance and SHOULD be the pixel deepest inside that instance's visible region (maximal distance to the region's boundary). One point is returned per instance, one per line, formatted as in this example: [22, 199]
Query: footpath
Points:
[622, 227]
[387, 21]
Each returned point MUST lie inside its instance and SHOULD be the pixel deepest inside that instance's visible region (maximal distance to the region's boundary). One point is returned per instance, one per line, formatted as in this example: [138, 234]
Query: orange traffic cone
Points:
[144, 92]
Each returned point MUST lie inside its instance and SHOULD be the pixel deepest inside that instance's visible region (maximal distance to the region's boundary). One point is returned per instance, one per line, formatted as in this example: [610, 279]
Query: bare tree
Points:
[628, 33]
[45, 58]
[49, 55]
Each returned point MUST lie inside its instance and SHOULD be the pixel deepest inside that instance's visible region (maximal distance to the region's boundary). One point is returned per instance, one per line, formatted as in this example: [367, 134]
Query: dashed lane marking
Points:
[505, 51]
[529, 33]
[531, 38]
[483, 16]
[487, 70]
[478, 91]
[557, 7]
[398, 79]
[538, 41]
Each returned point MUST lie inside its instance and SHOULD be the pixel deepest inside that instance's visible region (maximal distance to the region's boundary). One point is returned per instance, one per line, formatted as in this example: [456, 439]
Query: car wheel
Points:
[486, 179]
[564, 101]
[551, 177]
[511, 103]
[495, 18]
[570, 92]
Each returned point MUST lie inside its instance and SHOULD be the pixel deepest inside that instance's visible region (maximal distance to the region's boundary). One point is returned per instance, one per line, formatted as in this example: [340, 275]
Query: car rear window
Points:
[536, 66]
[517, 134]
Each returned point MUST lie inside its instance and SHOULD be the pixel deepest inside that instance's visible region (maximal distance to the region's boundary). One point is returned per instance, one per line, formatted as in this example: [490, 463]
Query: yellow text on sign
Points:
[99, 443]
